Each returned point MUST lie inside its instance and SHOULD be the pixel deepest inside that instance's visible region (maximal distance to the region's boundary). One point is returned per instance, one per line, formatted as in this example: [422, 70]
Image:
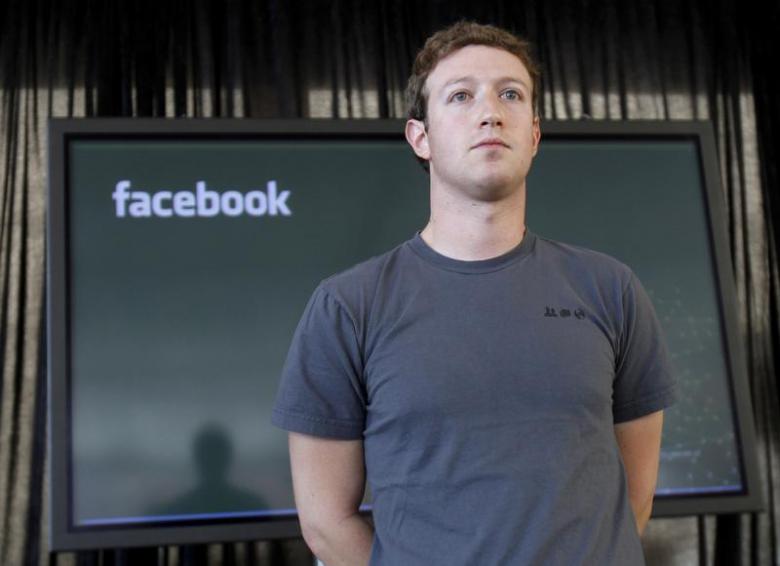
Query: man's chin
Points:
[496, 187]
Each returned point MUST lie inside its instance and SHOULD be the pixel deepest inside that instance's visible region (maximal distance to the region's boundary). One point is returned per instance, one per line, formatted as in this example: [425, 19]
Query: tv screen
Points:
[182, 254]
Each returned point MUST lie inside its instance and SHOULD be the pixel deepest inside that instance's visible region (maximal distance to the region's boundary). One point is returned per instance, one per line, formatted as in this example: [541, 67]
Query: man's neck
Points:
[471, 230]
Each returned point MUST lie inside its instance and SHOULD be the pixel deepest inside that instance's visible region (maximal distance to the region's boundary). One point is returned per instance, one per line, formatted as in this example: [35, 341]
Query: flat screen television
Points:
[181, 254]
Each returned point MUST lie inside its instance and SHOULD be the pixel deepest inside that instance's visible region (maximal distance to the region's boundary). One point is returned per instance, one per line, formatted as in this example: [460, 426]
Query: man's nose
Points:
[491, 113]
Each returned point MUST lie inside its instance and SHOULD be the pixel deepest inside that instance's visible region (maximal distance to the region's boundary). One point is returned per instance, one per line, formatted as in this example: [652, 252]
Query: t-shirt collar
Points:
[422, 249]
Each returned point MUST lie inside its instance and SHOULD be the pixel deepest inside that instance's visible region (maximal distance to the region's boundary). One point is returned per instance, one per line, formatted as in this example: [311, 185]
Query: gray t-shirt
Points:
[486, 394]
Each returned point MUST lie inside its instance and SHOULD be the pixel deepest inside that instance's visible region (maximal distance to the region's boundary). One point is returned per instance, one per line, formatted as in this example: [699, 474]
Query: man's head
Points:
[449, 40]
[473, 120]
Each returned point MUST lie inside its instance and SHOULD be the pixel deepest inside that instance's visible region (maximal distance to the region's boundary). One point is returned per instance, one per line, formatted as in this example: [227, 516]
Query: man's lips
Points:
[491, 142]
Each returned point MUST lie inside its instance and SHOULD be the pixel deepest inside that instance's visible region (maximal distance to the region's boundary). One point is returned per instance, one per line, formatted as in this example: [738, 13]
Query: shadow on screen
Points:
[212, 452]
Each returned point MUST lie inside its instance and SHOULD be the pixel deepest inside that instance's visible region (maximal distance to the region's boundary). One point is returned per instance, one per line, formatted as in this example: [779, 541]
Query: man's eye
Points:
[460, 96]
[511, 94]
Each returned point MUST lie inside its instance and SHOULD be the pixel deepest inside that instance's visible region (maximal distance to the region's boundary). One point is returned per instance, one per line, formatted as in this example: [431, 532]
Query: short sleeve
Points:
[321, 391]
[644, 382]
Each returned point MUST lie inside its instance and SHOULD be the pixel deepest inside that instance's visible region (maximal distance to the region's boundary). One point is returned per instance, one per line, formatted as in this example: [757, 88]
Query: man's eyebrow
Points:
[458, 80]
[504, 80]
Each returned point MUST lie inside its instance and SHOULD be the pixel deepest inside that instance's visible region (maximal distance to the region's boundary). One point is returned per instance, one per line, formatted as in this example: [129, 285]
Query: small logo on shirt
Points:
[551, 312]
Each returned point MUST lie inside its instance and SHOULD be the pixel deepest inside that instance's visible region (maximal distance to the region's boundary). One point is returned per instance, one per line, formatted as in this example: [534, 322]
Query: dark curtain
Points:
[603, 60]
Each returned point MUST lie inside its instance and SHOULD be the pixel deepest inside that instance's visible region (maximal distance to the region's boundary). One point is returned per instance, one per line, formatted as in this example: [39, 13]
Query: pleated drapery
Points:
[601, 60]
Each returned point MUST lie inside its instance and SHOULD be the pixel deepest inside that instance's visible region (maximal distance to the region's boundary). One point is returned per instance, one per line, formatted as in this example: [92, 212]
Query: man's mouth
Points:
[491, 142]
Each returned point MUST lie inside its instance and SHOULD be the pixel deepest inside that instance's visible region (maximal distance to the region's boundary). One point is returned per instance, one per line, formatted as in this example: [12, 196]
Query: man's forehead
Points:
[476, 63]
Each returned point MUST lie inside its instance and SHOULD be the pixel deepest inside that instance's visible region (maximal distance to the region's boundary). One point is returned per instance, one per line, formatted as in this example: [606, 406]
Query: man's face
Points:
[482, 133]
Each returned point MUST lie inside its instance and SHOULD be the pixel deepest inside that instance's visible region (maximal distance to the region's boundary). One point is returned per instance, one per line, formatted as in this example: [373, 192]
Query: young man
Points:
[502, 392]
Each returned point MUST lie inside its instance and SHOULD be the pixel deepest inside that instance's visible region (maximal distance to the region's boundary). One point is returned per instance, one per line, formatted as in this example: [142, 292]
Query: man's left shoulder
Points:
[585, 263]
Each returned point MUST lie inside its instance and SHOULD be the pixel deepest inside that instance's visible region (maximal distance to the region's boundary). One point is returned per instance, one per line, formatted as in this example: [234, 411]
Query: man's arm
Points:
[639, 441]
[328, 482]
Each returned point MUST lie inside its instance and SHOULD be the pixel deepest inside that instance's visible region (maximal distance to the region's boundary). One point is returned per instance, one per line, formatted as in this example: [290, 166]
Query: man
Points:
[502, 392]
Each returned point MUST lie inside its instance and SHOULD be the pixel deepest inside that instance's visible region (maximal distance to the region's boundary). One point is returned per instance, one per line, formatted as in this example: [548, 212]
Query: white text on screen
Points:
[199, 203]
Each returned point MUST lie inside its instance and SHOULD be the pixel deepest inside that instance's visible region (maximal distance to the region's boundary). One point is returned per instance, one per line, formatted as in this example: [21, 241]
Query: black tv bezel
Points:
[65, 536]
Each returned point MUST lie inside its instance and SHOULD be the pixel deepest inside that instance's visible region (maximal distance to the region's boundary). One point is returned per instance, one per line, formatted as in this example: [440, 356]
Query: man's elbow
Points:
[643, 508]
[314, 532]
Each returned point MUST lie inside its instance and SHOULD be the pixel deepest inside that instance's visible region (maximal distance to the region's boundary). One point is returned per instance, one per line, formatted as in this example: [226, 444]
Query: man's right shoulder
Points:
[356, 286]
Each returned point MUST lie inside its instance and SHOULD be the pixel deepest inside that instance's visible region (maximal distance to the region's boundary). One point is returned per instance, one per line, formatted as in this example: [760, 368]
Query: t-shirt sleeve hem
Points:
[646, 405]
[316, 426]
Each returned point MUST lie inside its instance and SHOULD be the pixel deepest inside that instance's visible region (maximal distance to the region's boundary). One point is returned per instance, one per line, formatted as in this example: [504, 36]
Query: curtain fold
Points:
[601, 60]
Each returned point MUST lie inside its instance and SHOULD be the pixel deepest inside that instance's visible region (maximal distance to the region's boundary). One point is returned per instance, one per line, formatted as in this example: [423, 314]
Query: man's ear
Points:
[417, 136]
[536, 133]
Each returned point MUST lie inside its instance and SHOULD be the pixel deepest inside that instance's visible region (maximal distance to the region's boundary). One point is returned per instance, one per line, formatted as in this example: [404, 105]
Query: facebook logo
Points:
[202, 202]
